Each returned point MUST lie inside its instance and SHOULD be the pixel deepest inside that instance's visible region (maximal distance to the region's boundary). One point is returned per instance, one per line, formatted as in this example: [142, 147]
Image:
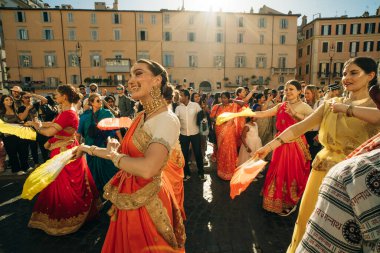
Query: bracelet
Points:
[280, 140]
[350, 112]
[271, 149]
[116, 157]
[91, 150]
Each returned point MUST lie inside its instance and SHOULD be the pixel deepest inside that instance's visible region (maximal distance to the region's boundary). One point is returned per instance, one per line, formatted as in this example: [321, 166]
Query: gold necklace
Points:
[153, 105]
[356, 102]
[294, 102]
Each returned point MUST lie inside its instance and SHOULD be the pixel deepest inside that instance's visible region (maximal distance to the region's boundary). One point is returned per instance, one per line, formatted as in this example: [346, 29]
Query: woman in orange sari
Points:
[226, 155]
[146, 215]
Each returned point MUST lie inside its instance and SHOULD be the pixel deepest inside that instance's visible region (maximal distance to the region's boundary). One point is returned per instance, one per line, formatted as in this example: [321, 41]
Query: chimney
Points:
[378, 11]
[304, 20]
[365, 14]
[116, 5]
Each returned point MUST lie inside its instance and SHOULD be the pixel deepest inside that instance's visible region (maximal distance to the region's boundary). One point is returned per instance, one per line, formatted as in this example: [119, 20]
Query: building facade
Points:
[326, 43]
[211, 50]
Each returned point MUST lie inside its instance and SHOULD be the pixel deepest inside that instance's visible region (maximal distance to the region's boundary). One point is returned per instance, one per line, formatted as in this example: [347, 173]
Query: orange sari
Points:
[226, 136]
[147, 214]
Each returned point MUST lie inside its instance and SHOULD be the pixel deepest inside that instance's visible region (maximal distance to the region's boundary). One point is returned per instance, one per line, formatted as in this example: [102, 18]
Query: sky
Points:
[310, 8]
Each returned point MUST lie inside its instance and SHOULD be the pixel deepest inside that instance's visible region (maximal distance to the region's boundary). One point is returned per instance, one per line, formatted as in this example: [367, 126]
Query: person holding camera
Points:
[102, 170]
[32, 111]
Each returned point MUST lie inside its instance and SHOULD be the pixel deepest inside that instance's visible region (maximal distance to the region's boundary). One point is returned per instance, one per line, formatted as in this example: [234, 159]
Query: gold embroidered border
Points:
[134, 200]
[57, 227]
[304, 149]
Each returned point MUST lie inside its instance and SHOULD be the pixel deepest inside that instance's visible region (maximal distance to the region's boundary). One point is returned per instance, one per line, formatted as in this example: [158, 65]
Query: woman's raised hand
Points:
[262, 152]
[289, 109]
[338, 107]
[112, 144]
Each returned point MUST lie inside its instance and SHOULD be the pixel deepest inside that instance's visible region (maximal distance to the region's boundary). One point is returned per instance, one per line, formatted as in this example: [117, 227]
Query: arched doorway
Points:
[205, 86]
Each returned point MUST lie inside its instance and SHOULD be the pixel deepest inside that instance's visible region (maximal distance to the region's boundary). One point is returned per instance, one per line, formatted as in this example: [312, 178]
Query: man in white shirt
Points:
[189, 133]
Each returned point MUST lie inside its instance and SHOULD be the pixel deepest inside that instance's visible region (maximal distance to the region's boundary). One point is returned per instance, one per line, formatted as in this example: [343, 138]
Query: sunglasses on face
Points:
[97, 100]
[119, 88]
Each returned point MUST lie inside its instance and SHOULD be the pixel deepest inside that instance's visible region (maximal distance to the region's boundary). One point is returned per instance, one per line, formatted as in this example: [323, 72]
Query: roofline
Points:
[340, 18]
[148, 11]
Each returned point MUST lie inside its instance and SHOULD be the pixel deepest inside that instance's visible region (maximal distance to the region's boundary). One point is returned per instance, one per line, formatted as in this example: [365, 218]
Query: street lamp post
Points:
[78, 51]
[331, 55]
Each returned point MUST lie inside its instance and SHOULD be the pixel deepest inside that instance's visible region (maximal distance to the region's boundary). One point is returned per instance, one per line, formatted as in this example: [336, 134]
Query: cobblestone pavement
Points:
[215, 223]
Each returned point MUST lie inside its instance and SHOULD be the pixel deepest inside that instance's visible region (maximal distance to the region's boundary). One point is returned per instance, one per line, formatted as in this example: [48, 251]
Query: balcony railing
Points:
[283, 71]
[115, 65]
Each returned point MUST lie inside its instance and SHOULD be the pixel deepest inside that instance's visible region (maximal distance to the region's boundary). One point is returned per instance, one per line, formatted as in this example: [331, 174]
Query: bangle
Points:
[350, 112]
[279, 140]
[271, 149]
[116, 157]
[91, 150]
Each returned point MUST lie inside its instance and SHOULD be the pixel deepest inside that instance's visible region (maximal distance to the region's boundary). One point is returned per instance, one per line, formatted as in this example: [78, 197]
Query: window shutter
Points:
[366, 26]
[336, 29]
[359, 28]
[329, 29]
[371, 46]
[357, 46]
[352, 28]
[344, 29]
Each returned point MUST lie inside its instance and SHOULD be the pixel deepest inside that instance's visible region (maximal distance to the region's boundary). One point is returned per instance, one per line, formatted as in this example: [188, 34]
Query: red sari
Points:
[72, 198]
[288, 171]
[226, 136]
[145, 216]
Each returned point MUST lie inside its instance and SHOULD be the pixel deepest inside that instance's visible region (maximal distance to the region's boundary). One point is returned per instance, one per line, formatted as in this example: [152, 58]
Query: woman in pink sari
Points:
[72, 198]
[226, 138]
[289, 168]
[147, 192]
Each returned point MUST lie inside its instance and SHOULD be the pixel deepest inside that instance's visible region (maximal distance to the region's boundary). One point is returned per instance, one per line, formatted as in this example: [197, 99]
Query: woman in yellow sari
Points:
[339, 134]
[147, 213]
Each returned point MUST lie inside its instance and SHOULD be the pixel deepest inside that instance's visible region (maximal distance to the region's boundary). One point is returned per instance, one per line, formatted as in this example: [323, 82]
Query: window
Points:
[323, 69]
[339, 47]
[281, 79]
[219, 37]
[168, 60]
[284, 23]
[299, 52]
[354, 47]
[308, 50]
[116, 34]
[262, 23]
[191, 36]
[23, 34]
[368, 46]
[191, 20]
[93, 18]
[48, 34]
[240, 22]
[20, 17]
[338, 69]
[142, 55]
[167, 36]
[141, 19]
[355, 28]
[143, 35]
[282, 39]
[219, 61]
[239, 79]
[369, 28]
[261, 62]
[153, 19]
[72, 34]
[74, 79]
[50, 60]
[73, 60]
[46, 17]
[52, 81]
[193, 61]
[282, 62]
[25, 61]
[326, 30]
[95, 60]
[166, 19]
[261, 39]
[94, 35]
[240, 38]
[240, 61]
[218, 21]
[340, 29]
[116, 18]
[378, 46]
[299, 70]
[325, 47]
[70, 17]
[307, 69]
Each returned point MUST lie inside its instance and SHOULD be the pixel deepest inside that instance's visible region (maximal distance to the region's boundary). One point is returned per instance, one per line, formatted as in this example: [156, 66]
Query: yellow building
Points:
[325, 44]
[214, 50]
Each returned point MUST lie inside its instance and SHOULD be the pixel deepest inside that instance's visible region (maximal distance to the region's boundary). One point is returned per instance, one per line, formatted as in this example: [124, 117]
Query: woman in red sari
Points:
[146, 215]
[72, 198]
[226, 155]
[289, 168]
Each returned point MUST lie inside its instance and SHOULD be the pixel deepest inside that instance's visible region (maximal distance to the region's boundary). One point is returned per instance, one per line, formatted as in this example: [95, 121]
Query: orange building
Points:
[212, 50]
[325, 44]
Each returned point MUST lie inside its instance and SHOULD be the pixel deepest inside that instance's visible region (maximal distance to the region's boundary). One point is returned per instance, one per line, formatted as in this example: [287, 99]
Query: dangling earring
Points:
[155, 92]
